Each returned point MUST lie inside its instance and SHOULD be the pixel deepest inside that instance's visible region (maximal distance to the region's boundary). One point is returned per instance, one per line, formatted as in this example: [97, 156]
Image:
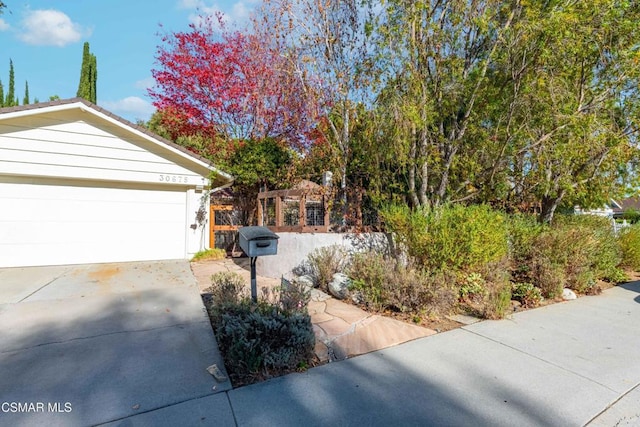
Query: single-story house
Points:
[628, 204]
[79, 184]
[607, 210]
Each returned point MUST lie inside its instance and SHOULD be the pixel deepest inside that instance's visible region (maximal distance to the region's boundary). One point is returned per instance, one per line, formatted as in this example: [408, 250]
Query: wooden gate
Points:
[221, 226]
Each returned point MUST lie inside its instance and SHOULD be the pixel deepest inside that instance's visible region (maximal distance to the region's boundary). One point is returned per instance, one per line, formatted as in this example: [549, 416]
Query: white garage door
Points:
[70, 224]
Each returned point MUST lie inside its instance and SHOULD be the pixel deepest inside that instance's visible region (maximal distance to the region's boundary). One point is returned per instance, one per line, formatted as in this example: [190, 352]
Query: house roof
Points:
[84, 105]
[631, 203]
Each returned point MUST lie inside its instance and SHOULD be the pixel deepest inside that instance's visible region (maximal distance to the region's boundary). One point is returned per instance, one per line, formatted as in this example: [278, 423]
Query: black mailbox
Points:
[258, 241]
[255, 242]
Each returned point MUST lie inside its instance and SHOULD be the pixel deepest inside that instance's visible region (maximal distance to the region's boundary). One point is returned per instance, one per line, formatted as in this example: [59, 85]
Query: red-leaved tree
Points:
[238, 86]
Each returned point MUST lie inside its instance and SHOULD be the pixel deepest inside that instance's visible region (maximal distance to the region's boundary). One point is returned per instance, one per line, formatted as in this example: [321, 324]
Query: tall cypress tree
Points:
[10, 100]
[94, 79]
[1, 94]
[88, 75]
[25, 101]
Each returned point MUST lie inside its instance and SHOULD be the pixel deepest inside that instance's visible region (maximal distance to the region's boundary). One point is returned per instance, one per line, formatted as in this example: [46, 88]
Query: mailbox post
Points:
[257, 241]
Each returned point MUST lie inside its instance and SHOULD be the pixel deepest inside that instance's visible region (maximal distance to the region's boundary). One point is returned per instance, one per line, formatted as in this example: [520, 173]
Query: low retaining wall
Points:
[293, 249]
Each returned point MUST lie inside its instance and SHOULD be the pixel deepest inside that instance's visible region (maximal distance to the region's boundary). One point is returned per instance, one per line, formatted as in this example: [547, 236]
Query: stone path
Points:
[342, 330]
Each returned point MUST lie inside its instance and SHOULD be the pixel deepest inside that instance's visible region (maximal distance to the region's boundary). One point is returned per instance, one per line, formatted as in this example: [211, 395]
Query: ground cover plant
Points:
[263, 339]
[209, 254]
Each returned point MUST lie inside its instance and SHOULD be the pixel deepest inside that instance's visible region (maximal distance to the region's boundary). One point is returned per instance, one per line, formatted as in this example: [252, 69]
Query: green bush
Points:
[601, 245]
[293, 295]
[523, 230]
[227, 288]
[498, 302]
[326, 261]
[575, 252]
[472, 286]
[629, 240]
[382, 283]
[548, 276]
[263, 339]
[452, 237]
[527, 294]
[631, 215]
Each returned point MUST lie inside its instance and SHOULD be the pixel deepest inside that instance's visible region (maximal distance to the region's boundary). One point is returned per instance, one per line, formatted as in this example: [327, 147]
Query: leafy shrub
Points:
[494, 278]
[408, 227]
[629, 240]
[371, 274]
[618, 276]
[227, 288]
[326, 261]
[631, 215]
[260, 339]
[523, 230]
[575, 252]
[472, 286]
[548, 276]
[294, 295]
[604, 252]
[382, 283]
[499, 301]
[527, 294]
[454, 237]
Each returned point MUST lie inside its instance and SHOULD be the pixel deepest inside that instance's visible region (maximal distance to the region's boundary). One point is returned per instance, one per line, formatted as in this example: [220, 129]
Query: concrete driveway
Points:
[92, 344]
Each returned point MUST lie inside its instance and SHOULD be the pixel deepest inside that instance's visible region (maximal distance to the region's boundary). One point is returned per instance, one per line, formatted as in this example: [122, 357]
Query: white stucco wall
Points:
[293, 249]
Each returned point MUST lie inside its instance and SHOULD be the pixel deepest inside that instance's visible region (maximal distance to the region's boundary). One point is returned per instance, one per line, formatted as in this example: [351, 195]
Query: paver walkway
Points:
[342, 330]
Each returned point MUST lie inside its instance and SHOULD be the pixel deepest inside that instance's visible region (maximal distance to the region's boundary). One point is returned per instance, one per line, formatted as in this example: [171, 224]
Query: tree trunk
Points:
[548, 208]
[412, 171]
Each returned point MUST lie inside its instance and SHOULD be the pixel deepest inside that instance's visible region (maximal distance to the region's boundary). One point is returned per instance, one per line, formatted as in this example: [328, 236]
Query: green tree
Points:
[1, 94]
[570, 120]
[511, 103]
[10, 99]
[87, 87]
[256, 165]
[25, 100]
[434, 62]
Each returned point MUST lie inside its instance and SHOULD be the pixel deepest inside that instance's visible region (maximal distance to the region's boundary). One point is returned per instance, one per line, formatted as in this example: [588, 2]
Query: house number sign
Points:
[178, 179]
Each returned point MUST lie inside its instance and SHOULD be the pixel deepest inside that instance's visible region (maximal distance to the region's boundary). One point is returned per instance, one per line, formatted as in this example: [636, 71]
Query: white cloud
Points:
[189, 4]
[3, 25]
[145, 83]
[131, 108]
[238, 13]
[50, 28]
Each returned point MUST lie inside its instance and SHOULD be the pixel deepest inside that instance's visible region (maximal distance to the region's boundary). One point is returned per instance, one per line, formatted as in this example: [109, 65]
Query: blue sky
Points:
[44, 39]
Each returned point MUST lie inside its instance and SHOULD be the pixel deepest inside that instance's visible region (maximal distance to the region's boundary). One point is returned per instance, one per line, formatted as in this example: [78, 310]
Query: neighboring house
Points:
[81, 185]
[607, 210]
[629, 204]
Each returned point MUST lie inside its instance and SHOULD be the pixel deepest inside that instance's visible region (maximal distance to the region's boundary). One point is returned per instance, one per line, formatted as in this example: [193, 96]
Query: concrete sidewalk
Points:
[568, 364]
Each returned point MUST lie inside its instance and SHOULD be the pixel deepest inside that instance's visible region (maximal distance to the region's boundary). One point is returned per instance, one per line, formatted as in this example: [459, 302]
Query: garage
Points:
[80, 185]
